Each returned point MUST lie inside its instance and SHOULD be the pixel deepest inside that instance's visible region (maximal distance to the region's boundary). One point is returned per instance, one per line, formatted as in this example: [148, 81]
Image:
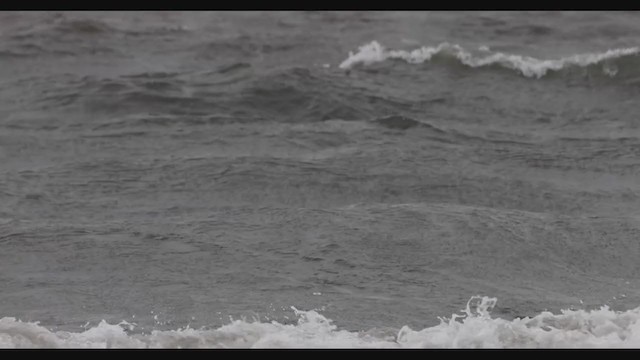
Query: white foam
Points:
[474, 328]
[374, 52]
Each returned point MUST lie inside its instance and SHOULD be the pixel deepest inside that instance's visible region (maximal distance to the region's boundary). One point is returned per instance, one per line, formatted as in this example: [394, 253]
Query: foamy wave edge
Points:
[374, 52]
[473, 328]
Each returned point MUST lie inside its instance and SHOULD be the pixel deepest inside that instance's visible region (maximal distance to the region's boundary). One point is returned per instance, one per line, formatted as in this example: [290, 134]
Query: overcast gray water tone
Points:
[198, 174]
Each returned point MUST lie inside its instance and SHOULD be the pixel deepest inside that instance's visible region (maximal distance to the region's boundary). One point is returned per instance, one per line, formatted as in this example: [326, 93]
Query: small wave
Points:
[397, 122]
[84, 26]
[27, 50]
[473, 328]
[374, 52]
[61, 25]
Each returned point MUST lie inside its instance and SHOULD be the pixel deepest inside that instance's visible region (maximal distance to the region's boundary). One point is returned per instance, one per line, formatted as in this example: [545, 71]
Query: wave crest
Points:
[473, 328]
[528, 66]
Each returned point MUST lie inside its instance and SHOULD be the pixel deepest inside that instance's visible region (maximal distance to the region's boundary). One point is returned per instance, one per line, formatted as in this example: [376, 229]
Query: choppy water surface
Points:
[319, 179]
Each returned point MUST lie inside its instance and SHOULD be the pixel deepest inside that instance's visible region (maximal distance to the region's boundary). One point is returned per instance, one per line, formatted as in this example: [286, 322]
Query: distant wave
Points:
[374, 52]
[474, 328]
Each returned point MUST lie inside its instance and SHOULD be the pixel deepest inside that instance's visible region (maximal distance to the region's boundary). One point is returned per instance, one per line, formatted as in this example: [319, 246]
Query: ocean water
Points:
[319, 179]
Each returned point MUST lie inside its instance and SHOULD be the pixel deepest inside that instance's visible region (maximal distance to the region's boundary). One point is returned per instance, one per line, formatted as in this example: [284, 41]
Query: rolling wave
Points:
[375, 52]
[473, 328]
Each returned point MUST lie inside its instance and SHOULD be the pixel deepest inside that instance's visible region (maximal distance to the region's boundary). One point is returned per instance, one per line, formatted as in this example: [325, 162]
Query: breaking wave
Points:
[473, 328]
[374, 52]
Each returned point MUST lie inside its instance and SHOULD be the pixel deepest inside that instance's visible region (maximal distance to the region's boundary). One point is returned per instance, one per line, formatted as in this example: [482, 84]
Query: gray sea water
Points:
[198, 174]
